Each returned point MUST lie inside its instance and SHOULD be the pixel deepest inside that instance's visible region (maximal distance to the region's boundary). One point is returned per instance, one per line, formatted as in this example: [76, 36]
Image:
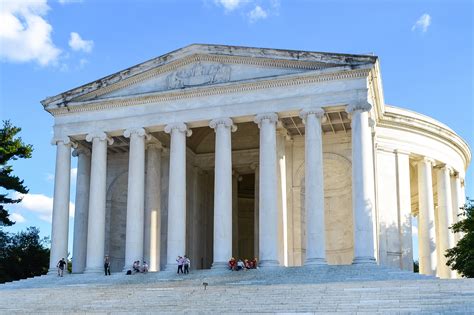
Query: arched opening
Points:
[338, 210]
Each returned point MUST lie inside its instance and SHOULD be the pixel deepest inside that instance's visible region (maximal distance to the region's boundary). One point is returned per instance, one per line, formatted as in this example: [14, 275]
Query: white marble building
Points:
[219, 151]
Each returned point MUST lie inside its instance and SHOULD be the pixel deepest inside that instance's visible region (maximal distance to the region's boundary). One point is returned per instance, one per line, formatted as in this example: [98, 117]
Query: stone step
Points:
[347, 289]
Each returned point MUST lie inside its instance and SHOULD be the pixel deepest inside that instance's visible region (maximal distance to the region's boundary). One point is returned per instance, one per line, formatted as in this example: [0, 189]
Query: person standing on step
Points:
[60, 265]
[187, 264]
[107, 265]
[180, 262]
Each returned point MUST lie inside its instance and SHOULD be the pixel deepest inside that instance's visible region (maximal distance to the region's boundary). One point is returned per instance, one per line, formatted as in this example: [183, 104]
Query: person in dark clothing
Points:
[61, 264]
[180, 262]
[187, 264]
[107, 265]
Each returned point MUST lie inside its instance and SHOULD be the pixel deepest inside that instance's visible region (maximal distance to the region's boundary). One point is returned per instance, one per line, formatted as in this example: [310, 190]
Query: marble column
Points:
[176, 243]
[135, 197]
[268, 203]
[254, 166]
[362, 183]
[445, 217]
[60, 221]
[235, 214]
[457, 199]
[152, 233]
[222, 192]
[79, 244]
[314, 187]
[281, 138]
[97, 197]
[426, 222]
[404, 209]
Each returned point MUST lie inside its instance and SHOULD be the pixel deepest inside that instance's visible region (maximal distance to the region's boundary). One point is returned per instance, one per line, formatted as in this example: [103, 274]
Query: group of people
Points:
[137, 268]
[183, 264]
[236, 265]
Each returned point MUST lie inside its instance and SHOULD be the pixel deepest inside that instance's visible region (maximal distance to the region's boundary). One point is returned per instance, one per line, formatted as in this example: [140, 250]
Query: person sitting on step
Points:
[136, 266]
[247, 264]
[240, 265]
[232, 264]
[254, 263]
[144, 268]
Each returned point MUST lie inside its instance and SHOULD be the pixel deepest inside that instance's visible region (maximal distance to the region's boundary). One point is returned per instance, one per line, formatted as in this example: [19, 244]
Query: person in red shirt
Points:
[232, 264]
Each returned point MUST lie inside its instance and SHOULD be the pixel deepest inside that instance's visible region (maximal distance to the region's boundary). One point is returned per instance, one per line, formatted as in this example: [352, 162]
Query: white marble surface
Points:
[240, 83]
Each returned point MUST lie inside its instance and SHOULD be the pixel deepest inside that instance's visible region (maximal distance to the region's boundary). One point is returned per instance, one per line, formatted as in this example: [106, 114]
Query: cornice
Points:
[413, 122]
[227, 88]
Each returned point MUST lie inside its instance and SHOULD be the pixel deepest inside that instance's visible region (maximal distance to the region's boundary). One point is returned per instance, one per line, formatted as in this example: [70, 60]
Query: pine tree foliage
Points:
[11, 148]
[461, 257]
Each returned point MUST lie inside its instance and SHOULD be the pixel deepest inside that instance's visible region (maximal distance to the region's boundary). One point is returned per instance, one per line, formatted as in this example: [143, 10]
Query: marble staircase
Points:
[346, 289]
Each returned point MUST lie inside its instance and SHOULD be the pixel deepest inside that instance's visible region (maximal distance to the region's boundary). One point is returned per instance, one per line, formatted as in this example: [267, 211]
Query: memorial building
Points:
[214, 151]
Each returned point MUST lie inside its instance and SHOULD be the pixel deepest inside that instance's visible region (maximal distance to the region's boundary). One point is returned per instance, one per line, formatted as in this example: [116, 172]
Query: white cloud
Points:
[24, 33]
[40, 204]
[82, 64]
[77, 43]
[422, 23]
[229, 5]
[257, 14]
[414, 230]
[18, 218]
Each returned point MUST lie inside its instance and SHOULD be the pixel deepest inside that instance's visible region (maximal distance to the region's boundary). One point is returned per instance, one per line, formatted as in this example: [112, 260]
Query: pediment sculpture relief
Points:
[198, 74]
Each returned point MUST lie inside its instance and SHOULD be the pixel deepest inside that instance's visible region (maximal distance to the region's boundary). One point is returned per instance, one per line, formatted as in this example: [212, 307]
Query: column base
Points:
[315, 262]
[367, 260]
[268, 263]
[171, 268]
[94, 270]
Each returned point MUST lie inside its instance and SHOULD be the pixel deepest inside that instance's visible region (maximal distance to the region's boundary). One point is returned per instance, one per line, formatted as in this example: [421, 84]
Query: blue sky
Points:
[425, 50]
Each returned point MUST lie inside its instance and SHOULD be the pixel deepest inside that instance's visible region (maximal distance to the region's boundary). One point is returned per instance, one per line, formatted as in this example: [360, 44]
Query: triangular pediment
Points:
[205, 65]
[198, 74]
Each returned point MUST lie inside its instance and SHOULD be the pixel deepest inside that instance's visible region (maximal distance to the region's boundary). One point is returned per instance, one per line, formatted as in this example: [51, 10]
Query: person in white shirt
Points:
[187, 264]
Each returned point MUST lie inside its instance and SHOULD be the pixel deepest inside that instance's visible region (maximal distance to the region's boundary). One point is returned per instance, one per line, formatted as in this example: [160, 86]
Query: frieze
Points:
[198, 74]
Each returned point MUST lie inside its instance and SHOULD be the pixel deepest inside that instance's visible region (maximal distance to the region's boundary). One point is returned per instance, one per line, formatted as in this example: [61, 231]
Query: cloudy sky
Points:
[47, 47]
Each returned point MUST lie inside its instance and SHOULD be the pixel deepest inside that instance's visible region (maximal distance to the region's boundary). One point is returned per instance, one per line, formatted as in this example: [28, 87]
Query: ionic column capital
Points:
[427, 160]
[181, 127]
[81, 150]
[100, 135]
[141, 132]
[154, 144]
[271, 117]
[455, 173]
[66, 140]
[318, 112]
[362, 106]
[226, 122]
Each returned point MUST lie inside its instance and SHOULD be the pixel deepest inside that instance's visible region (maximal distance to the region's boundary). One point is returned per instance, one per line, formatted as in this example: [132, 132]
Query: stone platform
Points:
[345, 289]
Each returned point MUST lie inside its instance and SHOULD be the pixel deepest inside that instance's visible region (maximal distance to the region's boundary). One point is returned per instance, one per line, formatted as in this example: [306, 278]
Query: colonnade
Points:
[143, 201]
[434, 236]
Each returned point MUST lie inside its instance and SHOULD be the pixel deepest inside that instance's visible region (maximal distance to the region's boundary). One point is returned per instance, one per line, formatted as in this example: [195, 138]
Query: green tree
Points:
[461, 256]
[23, 255]
[11, 148]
